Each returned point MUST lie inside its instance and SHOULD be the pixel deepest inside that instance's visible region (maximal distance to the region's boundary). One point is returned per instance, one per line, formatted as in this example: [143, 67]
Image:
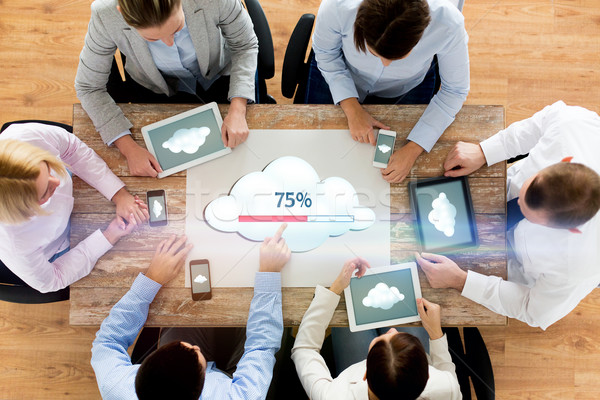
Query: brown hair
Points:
[568, 192]
[147, 13]
[391, 28]
[171, 372]
[19, 170]
[397, 368]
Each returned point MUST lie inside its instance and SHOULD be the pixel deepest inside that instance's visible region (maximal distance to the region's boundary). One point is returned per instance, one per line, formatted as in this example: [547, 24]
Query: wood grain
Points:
[524, 55]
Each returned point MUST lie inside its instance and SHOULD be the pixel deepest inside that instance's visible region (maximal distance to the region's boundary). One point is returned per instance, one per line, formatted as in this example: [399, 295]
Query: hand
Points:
[235, 128]
[139, 160]
[128, 205]
[430, 318]
[168, 259]
[401, 162]
[360, 122]
[463, 159]
[117, 229]
[343, 279]
[441, 271]
[274, 253]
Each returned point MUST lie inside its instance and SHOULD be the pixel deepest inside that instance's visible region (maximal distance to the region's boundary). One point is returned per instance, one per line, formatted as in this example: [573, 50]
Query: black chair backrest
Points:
[294, 73]
[266, 57]
[24, 121]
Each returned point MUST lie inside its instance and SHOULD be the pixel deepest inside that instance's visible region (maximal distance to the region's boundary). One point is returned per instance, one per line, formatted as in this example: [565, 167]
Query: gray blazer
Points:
[223, 37]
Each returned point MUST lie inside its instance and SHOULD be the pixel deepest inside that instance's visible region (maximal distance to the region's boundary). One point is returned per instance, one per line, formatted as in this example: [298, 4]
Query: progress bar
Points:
[296, 218]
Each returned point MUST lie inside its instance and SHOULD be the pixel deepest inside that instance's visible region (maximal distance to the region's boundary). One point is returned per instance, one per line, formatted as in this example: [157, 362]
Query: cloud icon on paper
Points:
[253, 195]
[187, 140]
[157, 209]
[200, 279]
[382, 296]
[443, 215]
[384, 148]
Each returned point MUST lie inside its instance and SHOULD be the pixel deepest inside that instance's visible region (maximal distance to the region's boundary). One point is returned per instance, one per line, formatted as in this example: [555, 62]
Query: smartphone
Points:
[157, 207]
[200, 278]
[384, 148]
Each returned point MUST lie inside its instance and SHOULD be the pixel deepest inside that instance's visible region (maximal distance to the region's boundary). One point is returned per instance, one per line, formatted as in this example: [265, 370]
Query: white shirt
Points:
[26, 248]
[554, 269]
[351, 73]
[317, 380]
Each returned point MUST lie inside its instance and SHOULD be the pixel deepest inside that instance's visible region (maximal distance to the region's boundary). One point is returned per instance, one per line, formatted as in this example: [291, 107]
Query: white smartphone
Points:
[157, 206]
[200, 277]
[384, 148]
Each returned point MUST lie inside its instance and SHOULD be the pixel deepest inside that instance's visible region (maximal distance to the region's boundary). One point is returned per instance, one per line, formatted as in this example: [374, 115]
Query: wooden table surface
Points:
[93, 296]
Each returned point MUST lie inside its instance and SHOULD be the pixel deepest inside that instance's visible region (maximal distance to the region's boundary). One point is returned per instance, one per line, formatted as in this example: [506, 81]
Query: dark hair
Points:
[568, 192]
[390, 27]
[397, 368]
[171, 372]
[147, 13]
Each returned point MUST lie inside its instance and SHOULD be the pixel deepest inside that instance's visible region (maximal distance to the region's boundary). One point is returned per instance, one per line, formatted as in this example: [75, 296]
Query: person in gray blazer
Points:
[172, 48]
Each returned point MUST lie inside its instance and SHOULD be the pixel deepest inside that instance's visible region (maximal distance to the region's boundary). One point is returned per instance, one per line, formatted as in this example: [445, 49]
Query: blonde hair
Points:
[19, 169]
[147, 13]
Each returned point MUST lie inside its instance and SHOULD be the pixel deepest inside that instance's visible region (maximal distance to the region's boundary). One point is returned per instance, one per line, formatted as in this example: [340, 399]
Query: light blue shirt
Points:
[351, 73]
[116, 375]
[179, 61]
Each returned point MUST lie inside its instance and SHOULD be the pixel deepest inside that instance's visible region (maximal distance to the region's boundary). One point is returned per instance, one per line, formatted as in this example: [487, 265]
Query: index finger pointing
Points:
[279, 232]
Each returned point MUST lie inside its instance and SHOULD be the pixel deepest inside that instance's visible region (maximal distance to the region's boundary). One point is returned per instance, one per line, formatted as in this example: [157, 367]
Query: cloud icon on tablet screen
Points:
[382, 296]
[443, 215]
[384, 148]
[187, 140]
[315, 209]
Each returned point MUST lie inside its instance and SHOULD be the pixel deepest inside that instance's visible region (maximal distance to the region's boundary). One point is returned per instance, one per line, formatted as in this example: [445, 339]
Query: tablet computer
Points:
[383, 296]
[443, 213]
[187, 139]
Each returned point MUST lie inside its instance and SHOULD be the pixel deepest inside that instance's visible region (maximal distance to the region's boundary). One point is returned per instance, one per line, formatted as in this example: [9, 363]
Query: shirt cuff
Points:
[266, 282]
[98, 244]
[145, 287]
[326, 295]
[127, 132]
[474, 286]
[493, 150]
[439, 345]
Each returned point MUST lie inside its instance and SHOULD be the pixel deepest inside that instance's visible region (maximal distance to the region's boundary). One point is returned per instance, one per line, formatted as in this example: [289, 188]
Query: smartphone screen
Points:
[384, 148]
[200, 278]
[157, 207]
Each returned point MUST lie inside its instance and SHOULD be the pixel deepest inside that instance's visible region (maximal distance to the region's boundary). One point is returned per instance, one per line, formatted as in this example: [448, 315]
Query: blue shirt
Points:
[351, 73]
[179, 61]
[116, 375]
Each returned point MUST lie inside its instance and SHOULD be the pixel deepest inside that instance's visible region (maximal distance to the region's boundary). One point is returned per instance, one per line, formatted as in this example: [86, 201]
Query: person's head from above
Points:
[173, 371]
[26, 180]
[154, 19]
[563, 195]
[390, 29]
[397, 367]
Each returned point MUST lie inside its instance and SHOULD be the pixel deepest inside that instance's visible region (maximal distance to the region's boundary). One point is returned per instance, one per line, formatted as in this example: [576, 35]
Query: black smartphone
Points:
[157, 207]
[200, 278]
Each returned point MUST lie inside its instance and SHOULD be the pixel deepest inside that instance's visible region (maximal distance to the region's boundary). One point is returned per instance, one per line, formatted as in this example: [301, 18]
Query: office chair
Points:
[266, 57]
[472, 361]
[294, 73]
[12, 288]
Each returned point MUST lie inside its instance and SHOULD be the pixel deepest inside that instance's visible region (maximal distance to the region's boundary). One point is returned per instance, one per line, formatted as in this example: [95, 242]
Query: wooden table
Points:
[93, 296]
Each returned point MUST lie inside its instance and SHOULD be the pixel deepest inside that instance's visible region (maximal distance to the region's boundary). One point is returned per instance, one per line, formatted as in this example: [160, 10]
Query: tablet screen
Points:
[444, 214]
[186, 140]
[384, 296]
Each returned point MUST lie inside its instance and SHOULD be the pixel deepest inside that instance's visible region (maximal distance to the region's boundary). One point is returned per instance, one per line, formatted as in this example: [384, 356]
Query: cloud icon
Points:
[382, 296]
[384, 148]
[187, 140]
[157, 209]
[200, 279]
[442, 215]
[314, 209]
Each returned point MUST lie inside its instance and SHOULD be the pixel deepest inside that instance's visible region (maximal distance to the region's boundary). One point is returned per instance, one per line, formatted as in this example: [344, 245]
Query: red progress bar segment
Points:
[272, 218]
